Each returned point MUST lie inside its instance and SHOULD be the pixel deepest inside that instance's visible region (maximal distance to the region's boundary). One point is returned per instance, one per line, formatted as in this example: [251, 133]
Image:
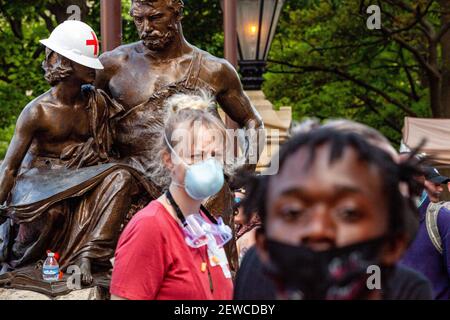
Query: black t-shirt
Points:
[253, 284]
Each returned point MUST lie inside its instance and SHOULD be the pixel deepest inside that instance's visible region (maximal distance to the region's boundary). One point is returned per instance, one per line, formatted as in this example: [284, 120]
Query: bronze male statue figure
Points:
[142, 75]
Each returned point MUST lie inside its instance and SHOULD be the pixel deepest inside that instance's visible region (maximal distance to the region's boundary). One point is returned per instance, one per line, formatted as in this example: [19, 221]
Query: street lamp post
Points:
[256, 25]
[111, 24]
[230, 44]
[230, 27]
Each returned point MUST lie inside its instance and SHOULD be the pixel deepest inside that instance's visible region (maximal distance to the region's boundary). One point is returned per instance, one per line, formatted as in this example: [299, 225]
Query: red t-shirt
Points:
[153, 262]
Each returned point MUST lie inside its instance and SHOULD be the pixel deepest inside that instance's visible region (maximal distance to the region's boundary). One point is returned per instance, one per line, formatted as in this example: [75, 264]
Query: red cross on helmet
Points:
[76, 41]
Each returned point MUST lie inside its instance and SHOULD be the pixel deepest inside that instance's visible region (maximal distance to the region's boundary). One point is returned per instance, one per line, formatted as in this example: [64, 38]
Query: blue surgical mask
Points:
[203, 179]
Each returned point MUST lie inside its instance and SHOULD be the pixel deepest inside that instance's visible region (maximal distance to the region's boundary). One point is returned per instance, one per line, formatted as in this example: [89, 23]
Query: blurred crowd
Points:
[346, 217]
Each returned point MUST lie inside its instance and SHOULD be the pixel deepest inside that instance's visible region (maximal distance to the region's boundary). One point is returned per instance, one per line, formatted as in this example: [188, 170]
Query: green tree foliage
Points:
[326, 63]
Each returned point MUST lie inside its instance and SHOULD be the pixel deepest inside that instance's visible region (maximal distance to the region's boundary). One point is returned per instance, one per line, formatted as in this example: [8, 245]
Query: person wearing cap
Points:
[59, 152]
[430, 251]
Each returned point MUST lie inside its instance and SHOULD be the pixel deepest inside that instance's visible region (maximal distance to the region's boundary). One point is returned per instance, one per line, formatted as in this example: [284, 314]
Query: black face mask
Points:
[335, 274]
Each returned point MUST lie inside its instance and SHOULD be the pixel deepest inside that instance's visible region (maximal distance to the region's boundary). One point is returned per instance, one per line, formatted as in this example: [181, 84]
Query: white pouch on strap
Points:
[431, 217]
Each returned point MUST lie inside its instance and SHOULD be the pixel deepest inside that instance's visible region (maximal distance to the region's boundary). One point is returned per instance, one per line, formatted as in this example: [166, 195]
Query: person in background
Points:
[173, 248]
[245, 230]
[333, 211]
[429, 254]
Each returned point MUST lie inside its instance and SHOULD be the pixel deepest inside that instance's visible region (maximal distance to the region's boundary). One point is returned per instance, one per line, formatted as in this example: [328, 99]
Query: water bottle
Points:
[50, 269]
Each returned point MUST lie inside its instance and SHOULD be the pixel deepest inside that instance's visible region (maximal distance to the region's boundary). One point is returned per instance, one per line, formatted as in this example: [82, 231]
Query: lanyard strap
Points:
[180, 214]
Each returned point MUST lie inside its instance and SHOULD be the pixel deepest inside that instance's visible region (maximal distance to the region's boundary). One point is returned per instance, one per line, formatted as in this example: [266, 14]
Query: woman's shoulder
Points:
[153, 210]
[152, 217]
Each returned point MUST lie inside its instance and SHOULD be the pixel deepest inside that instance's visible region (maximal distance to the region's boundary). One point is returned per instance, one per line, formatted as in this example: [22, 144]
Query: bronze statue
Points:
[142, 75]
[61, 192]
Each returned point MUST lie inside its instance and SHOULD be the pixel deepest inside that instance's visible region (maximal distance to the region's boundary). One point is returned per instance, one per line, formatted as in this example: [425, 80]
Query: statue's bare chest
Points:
[66, 124]
[66, 128]
[135, 83]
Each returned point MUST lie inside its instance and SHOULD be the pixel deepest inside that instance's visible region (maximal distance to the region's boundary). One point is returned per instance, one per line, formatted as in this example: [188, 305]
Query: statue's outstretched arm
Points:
[236, 104]
[26, 126]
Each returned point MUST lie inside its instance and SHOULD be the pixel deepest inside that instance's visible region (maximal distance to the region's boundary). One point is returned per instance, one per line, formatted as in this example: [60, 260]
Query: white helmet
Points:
[76, 41]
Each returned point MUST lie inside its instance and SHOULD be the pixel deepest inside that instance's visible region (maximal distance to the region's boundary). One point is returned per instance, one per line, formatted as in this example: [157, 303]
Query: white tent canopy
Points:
[436, 133]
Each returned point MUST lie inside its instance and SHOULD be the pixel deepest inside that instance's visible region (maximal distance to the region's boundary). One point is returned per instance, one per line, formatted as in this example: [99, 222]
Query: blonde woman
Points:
[173, 248]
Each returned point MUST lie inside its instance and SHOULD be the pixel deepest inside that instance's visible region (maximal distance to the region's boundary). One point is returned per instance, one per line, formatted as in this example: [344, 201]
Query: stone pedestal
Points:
[84, 294]
[276, 122]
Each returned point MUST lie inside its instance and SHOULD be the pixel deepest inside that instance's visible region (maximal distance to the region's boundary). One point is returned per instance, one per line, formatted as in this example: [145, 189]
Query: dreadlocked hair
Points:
[402, 210]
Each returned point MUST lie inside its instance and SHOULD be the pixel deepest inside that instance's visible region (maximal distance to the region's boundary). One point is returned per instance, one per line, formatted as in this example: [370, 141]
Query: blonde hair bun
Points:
[202, 100]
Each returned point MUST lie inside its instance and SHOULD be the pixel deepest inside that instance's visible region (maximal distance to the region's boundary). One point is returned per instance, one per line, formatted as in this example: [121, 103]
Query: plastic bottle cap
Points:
[50, 254]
